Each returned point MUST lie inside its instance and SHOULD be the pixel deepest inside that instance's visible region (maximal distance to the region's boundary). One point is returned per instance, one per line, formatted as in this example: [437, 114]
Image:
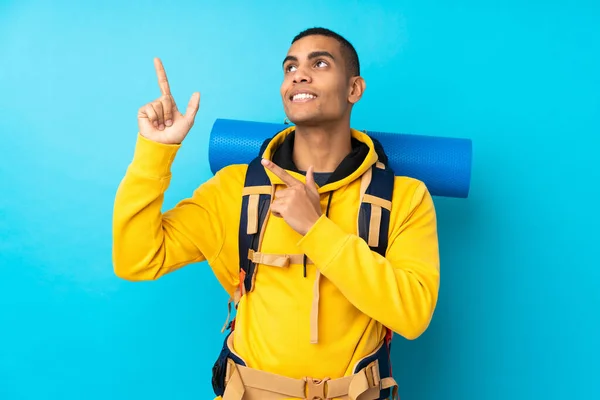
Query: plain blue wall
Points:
[518, 309]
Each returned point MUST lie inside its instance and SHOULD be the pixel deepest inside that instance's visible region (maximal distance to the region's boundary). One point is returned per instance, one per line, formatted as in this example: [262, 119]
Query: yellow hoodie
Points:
[361, 292]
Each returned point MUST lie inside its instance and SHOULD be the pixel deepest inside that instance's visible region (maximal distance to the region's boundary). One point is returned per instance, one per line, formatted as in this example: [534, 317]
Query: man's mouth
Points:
[302, 97]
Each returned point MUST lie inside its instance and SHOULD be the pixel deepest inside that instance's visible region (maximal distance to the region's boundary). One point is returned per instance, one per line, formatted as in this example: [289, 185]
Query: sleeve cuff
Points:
[323, 242]
[153, 159]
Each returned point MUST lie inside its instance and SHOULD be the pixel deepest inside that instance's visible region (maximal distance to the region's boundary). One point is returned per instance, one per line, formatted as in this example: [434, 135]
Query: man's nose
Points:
[302, 76]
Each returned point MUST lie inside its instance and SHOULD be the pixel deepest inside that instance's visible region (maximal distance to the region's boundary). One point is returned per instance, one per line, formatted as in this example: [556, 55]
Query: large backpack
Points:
[373, 227]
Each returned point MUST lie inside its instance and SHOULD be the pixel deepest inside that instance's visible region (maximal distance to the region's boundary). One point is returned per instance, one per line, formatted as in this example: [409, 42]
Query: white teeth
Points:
[303, 96]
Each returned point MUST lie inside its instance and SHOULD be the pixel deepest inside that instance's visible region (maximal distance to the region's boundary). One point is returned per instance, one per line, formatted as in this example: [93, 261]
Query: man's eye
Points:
[290, 68]
[321, 63]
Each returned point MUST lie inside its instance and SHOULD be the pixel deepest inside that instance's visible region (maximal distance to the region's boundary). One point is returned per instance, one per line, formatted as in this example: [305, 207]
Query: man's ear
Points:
[356, 90]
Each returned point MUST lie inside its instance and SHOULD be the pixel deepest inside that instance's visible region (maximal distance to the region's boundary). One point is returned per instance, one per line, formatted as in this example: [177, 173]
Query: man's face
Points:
[315, 87]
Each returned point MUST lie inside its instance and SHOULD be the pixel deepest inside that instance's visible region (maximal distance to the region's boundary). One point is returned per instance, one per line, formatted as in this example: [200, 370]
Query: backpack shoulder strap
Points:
[256, 197]
[374, 218]
[375, 207]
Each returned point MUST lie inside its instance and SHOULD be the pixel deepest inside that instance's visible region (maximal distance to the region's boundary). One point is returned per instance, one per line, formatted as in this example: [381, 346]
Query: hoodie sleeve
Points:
[148, 243]
[399, 290]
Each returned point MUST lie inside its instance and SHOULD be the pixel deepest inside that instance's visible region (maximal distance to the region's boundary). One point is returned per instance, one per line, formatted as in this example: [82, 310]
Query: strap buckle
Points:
[316, 388]
[372, 375]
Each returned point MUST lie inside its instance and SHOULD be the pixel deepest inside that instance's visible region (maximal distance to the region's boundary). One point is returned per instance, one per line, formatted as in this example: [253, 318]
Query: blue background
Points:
[518, 310]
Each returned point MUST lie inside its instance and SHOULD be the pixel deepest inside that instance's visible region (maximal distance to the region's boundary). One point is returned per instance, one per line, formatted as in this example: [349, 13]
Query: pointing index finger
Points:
[163, 83]
[281, 173]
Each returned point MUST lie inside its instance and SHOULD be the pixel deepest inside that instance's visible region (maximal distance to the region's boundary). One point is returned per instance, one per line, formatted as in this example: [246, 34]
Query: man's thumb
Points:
[192, 108]
[310, 179]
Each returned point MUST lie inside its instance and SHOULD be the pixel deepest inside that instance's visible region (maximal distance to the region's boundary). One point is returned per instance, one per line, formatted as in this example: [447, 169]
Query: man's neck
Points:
[323, 147]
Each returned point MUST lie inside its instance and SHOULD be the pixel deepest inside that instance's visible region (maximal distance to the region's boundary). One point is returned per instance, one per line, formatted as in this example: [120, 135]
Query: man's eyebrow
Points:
[289, 58]
[314, 54]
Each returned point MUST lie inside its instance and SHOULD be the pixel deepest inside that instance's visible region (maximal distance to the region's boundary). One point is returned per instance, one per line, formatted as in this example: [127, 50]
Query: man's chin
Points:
[305, 120]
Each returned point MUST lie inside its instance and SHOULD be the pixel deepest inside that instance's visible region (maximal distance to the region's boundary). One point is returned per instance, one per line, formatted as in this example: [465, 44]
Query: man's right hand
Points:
[160, 120]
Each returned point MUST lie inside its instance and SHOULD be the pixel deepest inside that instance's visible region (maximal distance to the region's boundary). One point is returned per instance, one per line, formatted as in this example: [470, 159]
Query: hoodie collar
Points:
[358, 161]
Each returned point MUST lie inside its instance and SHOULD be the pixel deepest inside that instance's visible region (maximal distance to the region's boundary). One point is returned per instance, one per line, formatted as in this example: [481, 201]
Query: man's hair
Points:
[348, 51]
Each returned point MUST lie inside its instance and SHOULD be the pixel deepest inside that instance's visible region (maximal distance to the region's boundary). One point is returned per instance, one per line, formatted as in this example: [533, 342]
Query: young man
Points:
[313, 317]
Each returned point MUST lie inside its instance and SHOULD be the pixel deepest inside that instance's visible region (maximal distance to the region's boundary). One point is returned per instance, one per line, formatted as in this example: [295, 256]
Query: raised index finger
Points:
[163, 83]
[281, 173]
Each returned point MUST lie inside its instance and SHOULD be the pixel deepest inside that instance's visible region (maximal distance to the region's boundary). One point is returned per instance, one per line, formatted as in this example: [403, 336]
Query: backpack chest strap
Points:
[277, 260]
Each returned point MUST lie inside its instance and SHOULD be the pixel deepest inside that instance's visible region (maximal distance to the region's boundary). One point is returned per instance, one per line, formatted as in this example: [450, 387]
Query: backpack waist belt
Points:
[243, 383]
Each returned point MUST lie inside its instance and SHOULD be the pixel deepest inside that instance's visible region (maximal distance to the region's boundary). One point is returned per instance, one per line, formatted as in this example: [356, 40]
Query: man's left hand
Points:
[299, 204]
